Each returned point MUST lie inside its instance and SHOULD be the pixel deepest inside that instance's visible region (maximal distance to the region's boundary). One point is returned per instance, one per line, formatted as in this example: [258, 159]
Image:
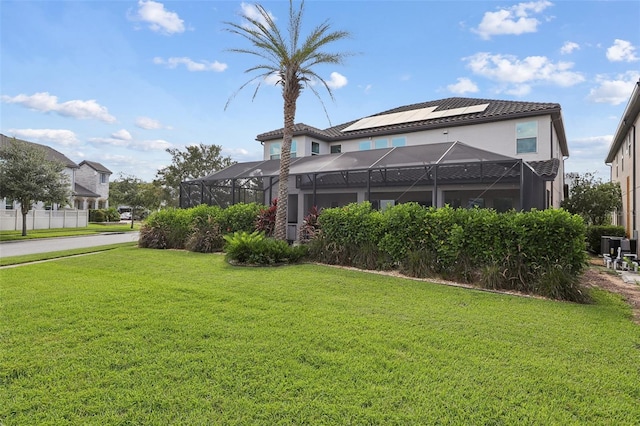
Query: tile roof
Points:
[52, 154]
[547, 169]
[96, 166]
[497, 110]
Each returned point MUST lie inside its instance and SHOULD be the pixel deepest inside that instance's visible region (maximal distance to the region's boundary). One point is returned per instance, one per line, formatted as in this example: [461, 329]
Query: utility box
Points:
[609, 245]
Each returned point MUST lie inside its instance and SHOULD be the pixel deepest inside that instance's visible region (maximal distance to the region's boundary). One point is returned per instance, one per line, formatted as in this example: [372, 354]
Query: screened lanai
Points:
[437, 174]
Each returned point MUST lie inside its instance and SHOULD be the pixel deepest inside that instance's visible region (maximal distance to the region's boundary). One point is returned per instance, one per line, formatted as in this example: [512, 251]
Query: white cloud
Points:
[190, 64]
[144, 145]
[148, 123]
[57, 136]
[122, 134]
[519, 90]
[464, 85]
[614, 91]
[569, 47]
[622, 51]
[152, 145]
[250, 11]
[45, 102]
[517, 75]
[272, 79]
[337, 81]
[241, 154]
[588, 154]
[159, 19]
[100, 142]
[512, 20]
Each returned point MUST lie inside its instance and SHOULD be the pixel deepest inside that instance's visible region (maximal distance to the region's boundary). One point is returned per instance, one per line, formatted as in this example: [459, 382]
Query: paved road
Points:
[44, 245]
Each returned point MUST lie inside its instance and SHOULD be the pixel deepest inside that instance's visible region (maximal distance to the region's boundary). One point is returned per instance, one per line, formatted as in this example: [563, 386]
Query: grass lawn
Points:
[92, 228]
[170, 337]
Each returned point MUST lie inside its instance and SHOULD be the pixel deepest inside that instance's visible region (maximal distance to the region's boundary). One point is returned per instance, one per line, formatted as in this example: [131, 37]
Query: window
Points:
[315, 148]
[274, 151]
[399, 141]
[365, 145]
[104, 178]
[526, 137]
[380, 143]
[336, 149]
[276, 148]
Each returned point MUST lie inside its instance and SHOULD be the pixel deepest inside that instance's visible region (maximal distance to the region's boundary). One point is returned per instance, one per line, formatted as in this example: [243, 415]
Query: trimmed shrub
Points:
[352, 234]
[206, 236]
[98, 216]
[510, 250]
[240, 217]
[104, 215]
[595, 234]
[167, 229]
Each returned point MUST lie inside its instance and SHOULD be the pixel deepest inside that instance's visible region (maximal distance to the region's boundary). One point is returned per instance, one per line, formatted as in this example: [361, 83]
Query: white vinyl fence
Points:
[11, 220]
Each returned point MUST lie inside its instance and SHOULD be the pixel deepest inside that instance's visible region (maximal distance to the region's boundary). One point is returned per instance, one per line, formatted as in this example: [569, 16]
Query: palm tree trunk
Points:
[285, 160]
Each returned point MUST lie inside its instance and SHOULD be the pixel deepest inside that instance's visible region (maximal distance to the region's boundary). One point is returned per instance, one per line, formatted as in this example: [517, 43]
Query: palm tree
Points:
[292, 62]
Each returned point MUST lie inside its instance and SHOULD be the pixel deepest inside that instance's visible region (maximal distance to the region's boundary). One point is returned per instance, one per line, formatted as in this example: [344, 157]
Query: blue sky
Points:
[118, 82]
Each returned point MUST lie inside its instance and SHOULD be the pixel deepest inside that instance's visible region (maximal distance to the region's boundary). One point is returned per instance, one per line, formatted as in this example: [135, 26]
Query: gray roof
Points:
[497, 110]
[52, 154]
[81, 191]
[96, 166]
[375, 159]
[629, 116]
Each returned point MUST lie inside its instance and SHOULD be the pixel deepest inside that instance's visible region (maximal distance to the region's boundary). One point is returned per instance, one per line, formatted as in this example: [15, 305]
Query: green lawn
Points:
[92, 228]
[152, 337]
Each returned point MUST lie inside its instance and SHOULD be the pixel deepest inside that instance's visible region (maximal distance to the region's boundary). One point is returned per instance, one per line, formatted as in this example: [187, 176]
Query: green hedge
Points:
[104, 215]
[538, 252]
[595, 234]
[199, 228]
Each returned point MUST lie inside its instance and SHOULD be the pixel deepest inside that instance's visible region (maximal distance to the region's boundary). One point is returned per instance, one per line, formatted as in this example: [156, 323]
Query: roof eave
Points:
[631, 112]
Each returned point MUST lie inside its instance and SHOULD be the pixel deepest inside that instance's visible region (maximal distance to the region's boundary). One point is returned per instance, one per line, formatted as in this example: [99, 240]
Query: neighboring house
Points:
[456, 151]
[88, 182]
[623, 159]
[92, 186]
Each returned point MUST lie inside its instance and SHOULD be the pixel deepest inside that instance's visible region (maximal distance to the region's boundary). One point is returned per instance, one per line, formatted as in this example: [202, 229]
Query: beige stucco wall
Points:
[622, 171]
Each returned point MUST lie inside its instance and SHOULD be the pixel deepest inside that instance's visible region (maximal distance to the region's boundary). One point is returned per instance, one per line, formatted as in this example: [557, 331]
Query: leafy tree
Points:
[151, 195]
[194, 162]
[293, 62]
[28, 176]
[129, 191]
[592, 199]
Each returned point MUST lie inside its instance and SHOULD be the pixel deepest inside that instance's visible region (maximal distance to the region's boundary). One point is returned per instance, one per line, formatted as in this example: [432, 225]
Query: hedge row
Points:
[541, 252]
[199, 228]
[595, 234]
[104, 215]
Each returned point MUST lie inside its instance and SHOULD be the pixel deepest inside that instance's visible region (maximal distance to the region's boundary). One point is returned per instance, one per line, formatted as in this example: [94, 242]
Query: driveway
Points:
[45, 245]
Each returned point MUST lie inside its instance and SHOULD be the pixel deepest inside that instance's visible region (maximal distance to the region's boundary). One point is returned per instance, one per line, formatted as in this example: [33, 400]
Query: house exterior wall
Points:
[625, 166]
[498, 137]
[624, 170]
[90, 179]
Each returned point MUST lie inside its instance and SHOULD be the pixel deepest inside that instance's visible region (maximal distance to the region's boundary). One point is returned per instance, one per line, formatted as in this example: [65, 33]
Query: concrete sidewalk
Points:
[45, 245]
